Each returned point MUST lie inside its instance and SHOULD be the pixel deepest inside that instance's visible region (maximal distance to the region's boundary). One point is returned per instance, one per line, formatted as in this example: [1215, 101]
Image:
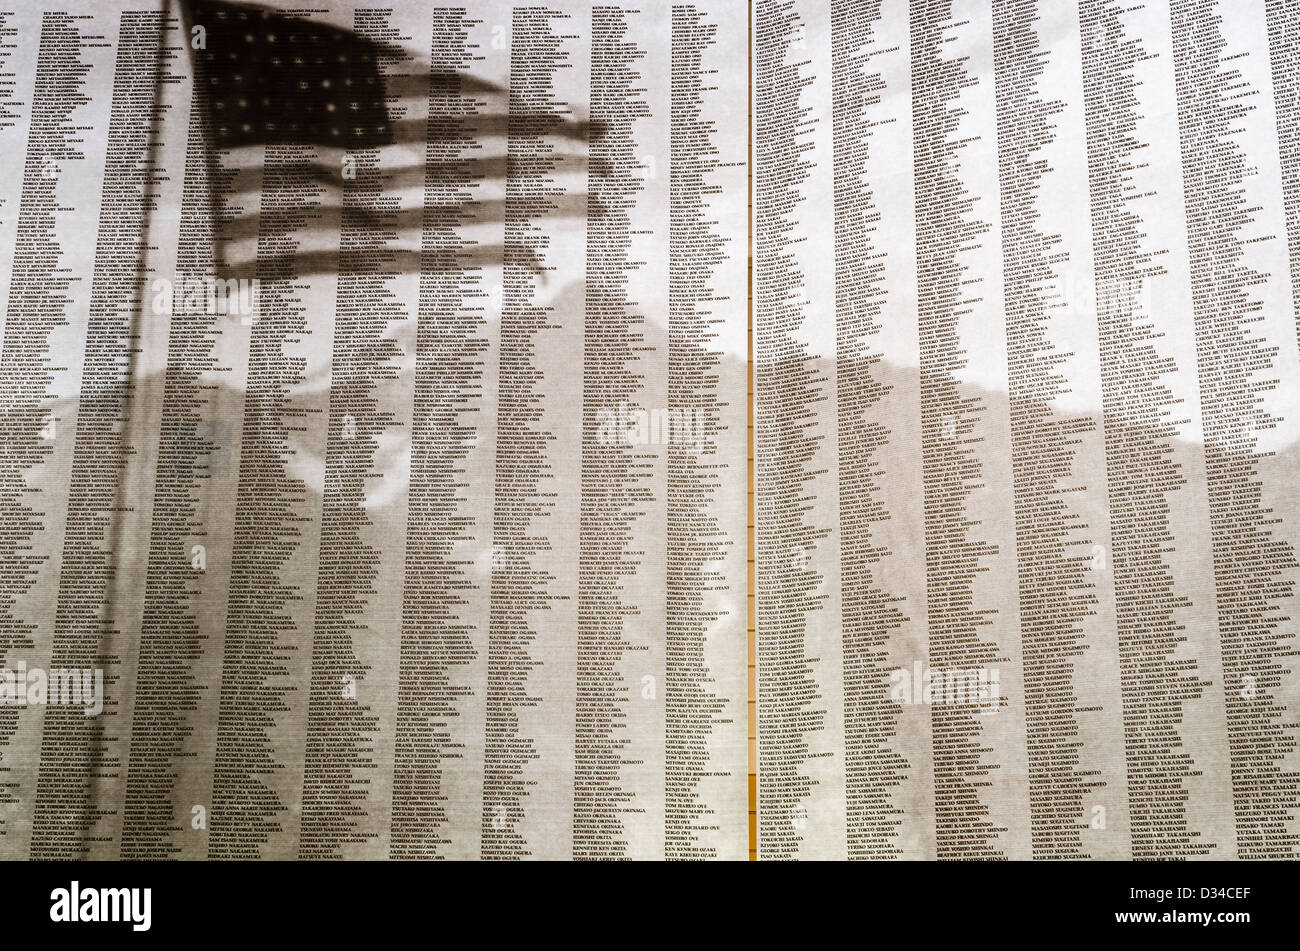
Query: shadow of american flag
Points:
[269, 77]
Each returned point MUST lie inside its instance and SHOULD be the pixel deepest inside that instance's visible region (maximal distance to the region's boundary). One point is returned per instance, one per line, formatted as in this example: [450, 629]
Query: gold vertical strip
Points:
[751, 628]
